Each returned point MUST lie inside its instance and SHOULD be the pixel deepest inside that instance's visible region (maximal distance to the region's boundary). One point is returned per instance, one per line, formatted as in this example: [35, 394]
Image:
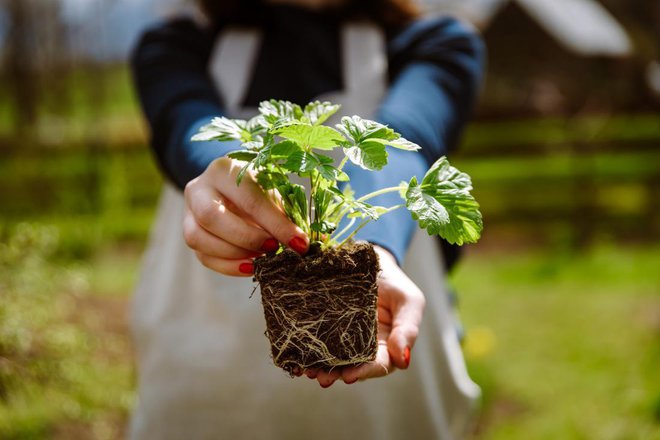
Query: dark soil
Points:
[320, 309]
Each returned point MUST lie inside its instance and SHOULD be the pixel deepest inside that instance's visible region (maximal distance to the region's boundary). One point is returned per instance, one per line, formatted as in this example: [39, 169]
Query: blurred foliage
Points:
[568, 345]
[63, 370]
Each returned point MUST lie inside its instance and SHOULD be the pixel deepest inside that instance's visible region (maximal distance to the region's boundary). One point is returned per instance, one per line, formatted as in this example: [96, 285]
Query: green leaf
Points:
[310, 136]
[318, 112]
[400, 143]
[241, 173]
[269, 179]
[442, 204]
[358, 130]
[224, 129]
[284, 149]
[294, 202]
[368, 155]
[274, 111]
[301, 162]
[323, 227]
[244, 155]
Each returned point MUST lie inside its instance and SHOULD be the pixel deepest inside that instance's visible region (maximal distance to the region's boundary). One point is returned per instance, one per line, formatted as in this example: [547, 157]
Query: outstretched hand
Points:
[400, 309]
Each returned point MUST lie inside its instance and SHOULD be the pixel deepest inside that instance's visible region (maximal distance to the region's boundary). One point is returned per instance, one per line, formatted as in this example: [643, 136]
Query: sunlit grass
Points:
[577, 342]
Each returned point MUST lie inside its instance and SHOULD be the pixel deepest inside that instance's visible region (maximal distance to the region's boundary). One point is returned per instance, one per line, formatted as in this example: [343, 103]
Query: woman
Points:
[203, 369]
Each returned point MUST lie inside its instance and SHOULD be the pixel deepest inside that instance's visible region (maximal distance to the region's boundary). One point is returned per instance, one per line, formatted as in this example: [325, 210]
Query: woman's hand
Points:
[400, 308]
[228, 225]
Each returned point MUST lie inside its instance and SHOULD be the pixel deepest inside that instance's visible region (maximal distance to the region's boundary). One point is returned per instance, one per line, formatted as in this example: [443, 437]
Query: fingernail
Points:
[246, 268]
[406, 356]
[325, 386]
[298, 244]
[270, 245]
[351, 381]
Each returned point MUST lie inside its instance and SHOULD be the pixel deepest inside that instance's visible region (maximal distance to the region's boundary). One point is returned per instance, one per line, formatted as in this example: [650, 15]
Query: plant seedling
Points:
[320, 309]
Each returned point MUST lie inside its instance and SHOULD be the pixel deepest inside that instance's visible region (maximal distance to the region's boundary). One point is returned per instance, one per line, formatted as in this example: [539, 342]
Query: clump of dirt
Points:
[320, 309]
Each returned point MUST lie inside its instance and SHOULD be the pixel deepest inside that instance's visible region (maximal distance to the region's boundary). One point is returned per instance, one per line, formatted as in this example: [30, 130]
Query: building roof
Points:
[584, 27]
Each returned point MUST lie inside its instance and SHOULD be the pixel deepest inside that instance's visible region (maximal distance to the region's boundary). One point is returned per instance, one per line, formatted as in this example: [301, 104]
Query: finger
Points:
[199, 239]
[327, 378]
[212, 215]
[406, 319]
[379, 367]
[251, 199]
[237, 268]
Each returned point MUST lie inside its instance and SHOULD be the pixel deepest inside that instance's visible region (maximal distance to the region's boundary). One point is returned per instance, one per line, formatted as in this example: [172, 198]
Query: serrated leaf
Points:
[268, 179]
[331, 173]
[323, 227]
[301, 162]
[400, 143]
[241, 173]
[285, 149]
[244, 155]
[274, 111]
[294, 202]
[318, 112]
[368, 155]
[442, 204]
[224, 129]
[310, 136]
[360, 132]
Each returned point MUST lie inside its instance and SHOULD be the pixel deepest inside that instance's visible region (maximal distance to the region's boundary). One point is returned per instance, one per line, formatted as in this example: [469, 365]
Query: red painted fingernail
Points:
[246, 268]
[325, 386]
[352, 381]
[270, 245]
[298, 244]
[406, 356]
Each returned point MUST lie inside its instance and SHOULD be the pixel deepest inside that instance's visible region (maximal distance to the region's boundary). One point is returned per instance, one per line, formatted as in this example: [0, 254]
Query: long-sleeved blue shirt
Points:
[435, 68]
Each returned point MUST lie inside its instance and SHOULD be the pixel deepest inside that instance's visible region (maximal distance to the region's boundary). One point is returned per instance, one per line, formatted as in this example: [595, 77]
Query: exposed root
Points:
[320, 309]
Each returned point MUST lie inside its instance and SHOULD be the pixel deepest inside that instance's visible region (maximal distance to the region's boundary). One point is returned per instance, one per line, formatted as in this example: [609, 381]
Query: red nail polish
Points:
[298, 244]
[270, 245]
[406, 356]
[246, 268]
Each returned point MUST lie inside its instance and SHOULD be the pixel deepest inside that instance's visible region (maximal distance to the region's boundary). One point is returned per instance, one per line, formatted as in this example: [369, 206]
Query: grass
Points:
[565, 346]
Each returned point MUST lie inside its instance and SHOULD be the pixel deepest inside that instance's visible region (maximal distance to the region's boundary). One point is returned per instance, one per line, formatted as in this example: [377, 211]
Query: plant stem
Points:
[363, 224]
[343, 231]
[342, 163]
[381, 192]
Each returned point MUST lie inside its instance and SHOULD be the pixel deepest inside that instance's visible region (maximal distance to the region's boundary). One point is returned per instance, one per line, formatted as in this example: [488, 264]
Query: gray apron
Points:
[204, 370]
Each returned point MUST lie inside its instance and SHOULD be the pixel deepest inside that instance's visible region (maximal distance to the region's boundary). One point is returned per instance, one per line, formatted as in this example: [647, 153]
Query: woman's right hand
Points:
[227, 225]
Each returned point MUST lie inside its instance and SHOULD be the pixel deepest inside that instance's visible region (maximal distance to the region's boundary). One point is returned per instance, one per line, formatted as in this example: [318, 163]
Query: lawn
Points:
[564, 346]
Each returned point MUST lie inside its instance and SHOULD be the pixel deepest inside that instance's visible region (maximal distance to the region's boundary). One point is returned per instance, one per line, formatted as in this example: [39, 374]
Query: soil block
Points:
[320, 309]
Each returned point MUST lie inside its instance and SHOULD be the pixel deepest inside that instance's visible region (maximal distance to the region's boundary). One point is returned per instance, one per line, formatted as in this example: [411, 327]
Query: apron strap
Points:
[364, 62]
[232, 62]
[365, 59]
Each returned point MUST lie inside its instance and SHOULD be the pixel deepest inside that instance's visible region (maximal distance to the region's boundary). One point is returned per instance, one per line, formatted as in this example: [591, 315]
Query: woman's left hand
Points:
[400, 309]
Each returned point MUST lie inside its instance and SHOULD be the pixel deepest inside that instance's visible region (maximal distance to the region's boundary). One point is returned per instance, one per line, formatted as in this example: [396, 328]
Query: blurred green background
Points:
[561, 298]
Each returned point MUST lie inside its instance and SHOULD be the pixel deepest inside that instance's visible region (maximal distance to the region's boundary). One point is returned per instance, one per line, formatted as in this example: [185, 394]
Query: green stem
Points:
[342, 163]
[363, 224]
[343, 231]
[381, 192]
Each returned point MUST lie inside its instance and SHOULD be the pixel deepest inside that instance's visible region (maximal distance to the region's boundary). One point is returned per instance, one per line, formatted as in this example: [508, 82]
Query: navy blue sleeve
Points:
[169, 67]
[436, 69]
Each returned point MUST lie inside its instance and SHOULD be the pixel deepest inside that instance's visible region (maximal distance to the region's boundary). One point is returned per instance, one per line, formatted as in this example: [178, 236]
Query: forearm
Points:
[169, 67]
[394, 230]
